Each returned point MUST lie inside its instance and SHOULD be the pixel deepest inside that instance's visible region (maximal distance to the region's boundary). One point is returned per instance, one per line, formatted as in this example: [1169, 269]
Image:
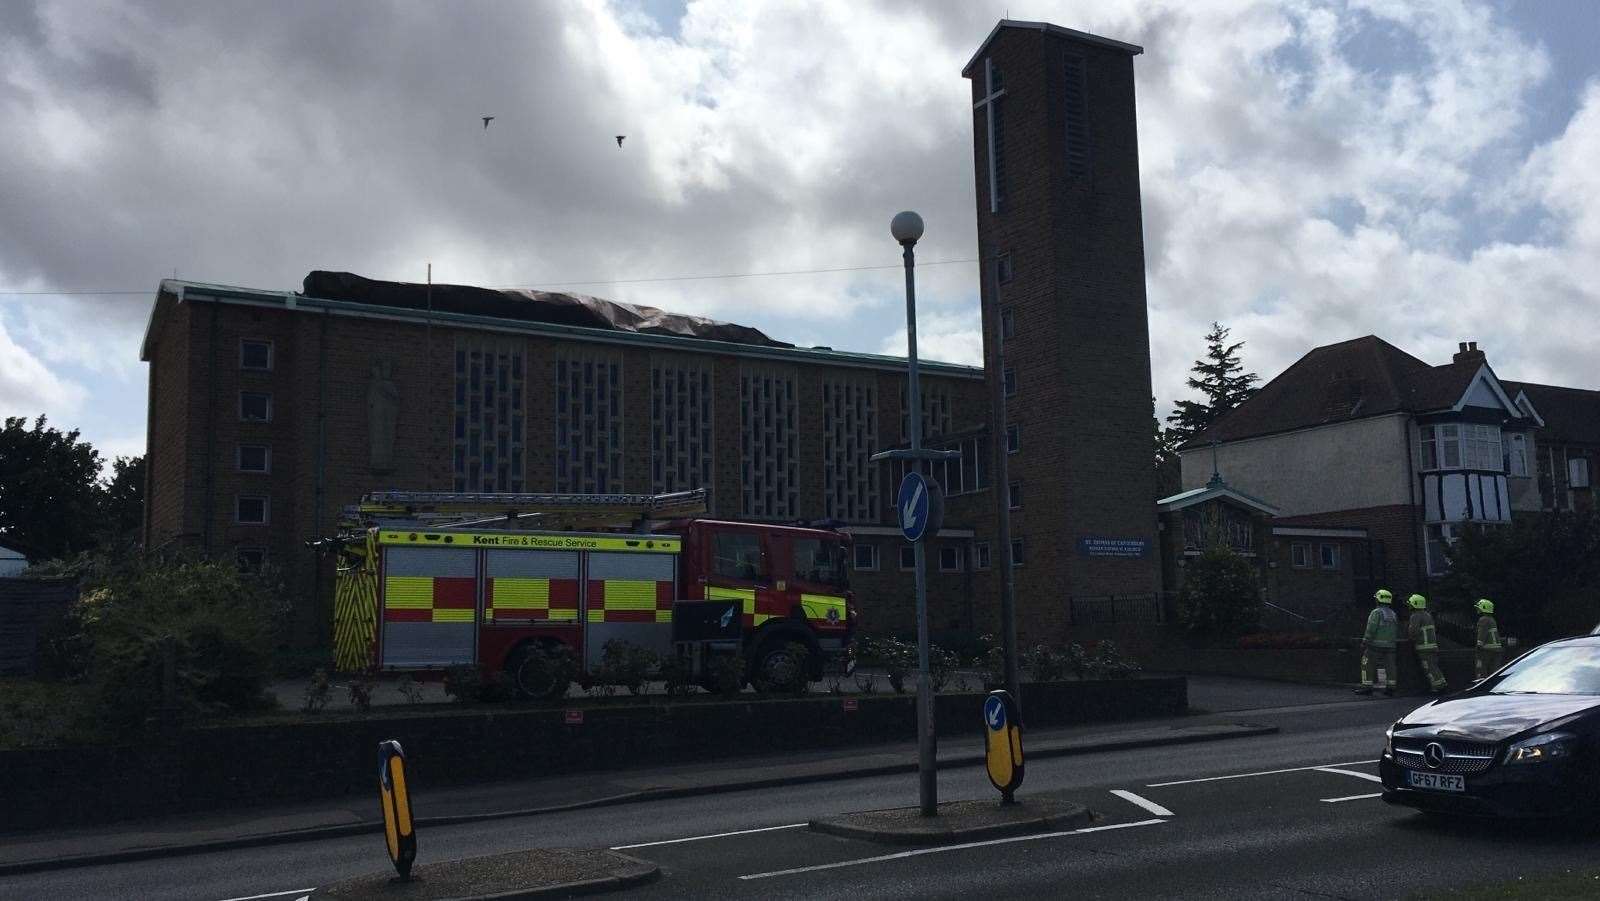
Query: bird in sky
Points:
[486, 121]
[619, 141]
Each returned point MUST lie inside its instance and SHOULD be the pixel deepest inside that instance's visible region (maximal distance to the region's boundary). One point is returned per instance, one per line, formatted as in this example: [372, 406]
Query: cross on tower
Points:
[993, 91]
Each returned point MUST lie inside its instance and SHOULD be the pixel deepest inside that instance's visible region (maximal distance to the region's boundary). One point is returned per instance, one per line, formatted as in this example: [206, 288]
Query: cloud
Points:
[28, 387]
[944, 337]
[1311, 171]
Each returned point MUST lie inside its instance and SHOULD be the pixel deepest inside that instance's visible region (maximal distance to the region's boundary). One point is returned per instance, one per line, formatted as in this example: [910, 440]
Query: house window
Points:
[980, 555]
[866, 557]
[1329, 555]
[1578, 472]
[1008, 324]
[255, 458]
[908, 557]
[1462, 446]
[1481, 448]
[1450, 446]
[1008, 378]
[1517, 455]
[1017, 556]
[1439, 539]
[255, 407]
[252, 511]
[251, 559]
[1429, 447]
[1300, 555]
[949, 559]
[1013, 438]
[1014, 495]
[1003, 267]
[254, 354]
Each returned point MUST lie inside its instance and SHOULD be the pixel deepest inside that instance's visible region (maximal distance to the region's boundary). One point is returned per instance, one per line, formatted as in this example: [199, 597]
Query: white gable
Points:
[1484, 391]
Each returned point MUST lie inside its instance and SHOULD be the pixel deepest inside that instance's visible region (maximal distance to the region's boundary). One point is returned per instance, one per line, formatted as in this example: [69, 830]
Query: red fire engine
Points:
[428, 580]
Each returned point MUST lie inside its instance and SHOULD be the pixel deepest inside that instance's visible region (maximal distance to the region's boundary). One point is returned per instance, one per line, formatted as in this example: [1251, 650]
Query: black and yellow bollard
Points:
[398, 830]
[1003, 743]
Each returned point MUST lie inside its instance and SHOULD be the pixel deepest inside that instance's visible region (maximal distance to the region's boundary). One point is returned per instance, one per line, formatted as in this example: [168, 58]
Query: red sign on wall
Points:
[851, 705]
[574, 717]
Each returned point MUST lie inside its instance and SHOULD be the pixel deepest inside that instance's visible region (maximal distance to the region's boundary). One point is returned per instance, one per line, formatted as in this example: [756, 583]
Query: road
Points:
[1278, 816]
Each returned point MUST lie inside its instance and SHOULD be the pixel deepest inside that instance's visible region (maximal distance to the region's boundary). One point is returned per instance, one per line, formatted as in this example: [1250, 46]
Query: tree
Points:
[124, 497]
[1220, 597]
[1169, 473]
[1541, 573]
[50, 489]
[1222, 382]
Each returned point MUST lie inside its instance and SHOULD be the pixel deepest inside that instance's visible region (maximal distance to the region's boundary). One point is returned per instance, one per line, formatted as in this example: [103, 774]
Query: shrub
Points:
[725, 673]
[898, 659]
[318, 690]
[464, 682]
[1105, 661]
[220, 626]
[361, 688]
[942, 666]
[624, 665]
[991, 665]
[677, 678]
[866, 683]
[1045, 664]
[543, 670]
[1220, 597]
[409, 689]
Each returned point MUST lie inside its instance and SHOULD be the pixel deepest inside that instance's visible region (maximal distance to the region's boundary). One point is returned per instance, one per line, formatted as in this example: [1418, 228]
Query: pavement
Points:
[956, 821]
[537, 873]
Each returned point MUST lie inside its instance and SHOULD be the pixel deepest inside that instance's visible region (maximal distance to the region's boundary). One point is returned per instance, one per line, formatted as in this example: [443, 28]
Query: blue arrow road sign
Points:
[994, 713]
[912, 506]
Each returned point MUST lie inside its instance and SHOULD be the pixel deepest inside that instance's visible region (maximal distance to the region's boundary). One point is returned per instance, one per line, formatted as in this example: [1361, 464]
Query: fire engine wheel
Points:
[773, 666]
[532, 676]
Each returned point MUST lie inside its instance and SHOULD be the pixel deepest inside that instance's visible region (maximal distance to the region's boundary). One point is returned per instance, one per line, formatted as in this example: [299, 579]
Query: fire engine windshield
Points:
[820, 562]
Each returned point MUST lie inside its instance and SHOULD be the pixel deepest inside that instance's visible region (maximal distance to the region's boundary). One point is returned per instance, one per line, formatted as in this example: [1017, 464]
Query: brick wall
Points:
[1396, 528]
[1081, 346]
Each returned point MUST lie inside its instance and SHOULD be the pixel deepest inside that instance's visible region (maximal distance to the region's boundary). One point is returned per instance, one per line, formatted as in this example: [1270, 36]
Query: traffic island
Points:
[958, 821]
[537, 873]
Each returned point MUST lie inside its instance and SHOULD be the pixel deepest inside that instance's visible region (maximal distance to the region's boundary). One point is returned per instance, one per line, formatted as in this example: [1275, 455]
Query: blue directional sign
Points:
[913, 505]
[994, 713]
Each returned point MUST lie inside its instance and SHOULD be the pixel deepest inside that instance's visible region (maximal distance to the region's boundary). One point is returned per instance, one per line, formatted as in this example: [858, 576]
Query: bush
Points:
[1541, 573]
[1220, 597]
[45, 714]
[942, 666]
[409, 689]
[725, 673]
[470, 683]
[677, 678]
[898, 659]
[361, 688]
[542, 670]
[1046, 664]
[866, 683]
[1104, 661]
[624, 664]
[991, 665]
[318, 690]
[221, 627]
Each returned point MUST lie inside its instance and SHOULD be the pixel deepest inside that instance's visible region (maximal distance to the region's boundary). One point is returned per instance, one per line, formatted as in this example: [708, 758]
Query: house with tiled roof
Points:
[1362, 435]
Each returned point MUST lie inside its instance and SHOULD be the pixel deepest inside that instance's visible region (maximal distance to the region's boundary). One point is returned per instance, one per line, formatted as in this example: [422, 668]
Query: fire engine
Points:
[429, 580]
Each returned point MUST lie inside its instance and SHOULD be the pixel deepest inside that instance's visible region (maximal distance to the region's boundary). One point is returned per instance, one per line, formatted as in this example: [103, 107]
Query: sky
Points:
[1311, 171]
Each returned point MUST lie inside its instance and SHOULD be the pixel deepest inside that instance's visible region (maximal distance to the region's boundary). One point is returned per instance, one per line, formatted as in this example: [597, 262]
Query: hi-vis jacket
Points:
[1488, 633]
[1420, 629]
[1382, 628]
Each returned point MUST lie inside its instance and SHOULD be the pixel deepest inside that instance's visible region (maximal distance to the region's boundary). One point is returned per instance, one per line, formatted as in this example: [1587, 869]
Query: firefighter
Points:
[1488, 656]
[1420, 629]
[1377, 645]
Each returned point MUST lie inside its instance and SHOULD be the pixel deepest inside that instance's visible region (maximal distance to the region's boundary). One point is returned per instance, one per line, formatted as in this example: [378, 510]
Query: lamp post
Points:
[907, 229]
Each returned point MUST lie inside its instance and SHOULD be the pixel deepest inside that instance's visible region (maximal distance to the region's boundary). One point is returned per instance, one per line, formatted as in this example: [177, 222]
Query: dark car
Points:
[1524, 742]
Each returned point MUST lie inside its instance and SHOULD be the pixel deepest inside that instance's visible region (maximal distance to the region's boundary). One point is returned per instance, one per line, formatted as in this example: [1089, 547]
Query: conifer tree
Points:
[1222, 382]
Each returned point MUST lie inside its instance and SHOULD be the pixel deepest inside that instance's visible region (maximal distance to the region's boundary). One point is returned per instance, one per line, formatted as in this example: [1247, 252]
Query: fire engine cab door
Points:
[430, 600]
[628, 595]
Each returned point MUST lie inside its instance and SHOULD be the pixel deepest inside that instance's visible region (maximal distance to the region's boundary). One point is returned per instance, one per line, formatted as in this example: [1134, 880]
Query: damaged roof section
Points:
[530, 306]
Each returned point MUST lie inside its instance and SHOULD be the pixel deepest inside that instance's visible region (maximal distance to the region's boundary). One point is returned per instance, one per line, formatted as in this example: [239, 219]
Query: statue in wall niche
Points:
[383, 413]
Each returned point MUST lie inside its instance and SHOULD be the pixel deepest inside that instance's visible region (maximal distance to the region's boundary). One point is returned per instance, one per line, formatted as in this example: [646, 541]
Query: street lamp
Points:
[907, 229]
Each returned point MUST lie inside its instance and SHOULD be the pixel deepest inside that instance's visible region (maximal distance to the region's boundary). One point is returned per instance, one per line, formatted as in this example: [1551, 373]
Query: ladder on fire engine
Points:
[454, 510]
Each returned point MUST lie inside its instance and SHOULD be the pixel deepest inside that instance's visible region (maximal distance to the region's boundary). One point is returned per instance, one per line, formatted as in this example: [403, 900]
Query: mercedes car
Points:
[1525, 742]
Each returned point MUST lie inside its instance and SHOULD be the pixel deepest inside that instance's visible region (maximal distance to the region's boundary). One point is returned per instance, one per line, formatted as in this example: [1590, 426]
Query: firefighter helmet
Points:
[1417, 602]
[1383, 596]
[1485, 606]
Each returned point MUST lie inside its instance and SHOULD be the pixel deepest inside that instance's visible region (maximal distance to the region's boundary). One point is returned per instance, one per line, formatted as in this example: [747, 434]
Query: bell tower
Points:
[1055, 148]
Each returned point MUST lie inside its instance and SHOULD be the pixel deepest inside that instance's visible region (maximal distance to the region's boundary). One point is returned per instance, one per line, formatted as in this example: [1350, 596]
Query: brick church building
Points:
[271, 410]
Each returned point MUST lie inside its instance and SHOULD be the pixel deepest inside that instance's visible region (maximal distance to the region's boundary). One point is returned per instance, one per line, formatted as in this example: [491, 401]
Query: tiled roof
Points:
[1569, 414]
[1339, 382]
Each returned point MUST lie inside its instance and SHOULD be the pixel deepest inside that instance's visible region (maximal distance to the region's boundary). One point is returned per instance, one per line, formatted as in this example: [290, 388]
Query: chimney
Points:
[1467, 352]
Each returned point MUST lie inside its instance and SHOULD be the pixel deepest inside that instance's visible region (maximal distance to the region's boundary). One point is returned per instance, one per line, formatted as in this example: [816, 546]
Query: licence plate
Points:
[1436, 782]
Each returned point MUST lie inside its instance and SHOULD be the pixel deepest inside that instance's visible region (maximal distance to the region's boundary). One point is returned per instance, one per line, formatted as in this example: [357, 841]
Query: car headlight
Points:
[1388, 742]
[1540, 748]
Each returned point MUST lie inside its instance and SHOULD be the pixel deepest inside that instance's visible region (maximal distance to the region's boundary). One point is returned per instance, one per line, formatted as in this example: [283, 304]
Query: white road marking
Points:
[943, 848]
[1367, 776]
[698, 838]
[1296, 769]
[293, 891]
[1352, 798]
[1146, 803]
